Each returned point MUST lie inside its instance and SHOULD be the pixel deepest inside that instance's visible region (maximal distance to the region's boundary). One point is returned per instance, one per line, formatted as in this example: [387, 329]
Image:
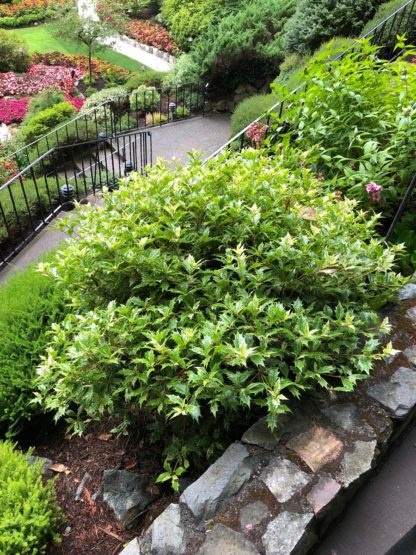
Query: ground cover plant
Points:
[29, 305]
[204, 291]
[29, 514]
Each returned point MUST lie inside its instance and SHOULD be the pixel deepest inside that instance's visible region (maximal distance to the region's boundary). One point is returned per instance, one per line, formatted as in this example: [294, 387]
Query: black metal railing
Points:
[62, 174]
[384, 34]
[119, 115]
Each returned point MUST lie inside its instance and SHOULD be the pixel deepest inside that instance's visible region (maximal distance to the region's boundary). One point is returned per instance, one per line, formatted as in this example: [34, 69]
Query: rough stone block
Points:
[354, 464]
[408, 292]
[261, 435]
[323, 493]
[316, 447]
[223, 479]
[284, 479]
[132, 548]
[399, 394]
[125, 492]
[346, 416]
[224, 541]
[287, 532]
[168, 533]
[410, 354]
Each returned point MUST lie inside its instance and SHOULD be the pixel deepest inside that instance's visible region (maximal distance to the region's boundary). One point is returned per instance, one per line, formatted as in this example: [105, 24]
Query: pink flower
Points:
[374, 191]
[249, 526]
[257, 132]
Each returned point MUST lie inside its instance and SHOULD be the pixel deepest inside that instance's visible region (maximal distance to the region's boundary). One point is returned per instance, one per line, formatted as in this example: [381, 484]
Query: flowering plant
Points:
[257, 132]
[151, 34]
[374, 192]
[13, 109]
[38, 78]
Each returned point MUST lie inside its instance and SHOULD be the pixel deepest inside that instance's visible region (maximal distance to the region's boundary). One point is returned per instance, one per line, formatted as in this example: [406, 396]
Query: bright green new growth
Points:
[29, 304]
[29, 514]
[205, 290]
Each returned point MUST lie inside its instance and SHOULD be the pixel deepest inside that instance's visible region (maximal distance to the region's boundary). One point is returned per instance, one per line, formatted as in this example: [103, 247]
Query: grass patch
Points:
[41, 39]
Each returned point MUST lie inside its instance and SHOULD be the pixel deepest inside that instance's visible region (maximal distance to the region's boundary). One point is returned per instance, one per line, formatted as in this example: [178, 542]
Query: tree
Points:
[85, 27]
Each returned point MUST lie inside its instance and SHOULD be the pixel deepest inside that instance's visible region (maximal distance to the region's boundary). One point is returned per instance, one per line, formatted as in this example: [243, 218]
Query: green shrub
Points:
[13, 53]
[250, 109]
[46, 120]
[29, 304]
[316, 21]
[204, 290]
[117, 103]
[358, 122]
[149, 77]
[244, 47]
[145, 99]
[45, 99]
[29, 513]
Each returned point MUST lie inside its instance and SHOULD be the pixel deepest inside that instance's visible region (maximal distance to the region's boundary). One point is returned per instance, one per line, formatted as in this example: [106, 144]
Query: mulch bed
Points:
[90, 526]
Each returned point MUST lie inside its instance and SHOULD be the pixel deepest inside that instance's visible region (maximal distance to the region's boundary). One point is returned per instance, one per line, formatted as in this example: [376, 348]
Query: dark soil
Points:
[90, 526]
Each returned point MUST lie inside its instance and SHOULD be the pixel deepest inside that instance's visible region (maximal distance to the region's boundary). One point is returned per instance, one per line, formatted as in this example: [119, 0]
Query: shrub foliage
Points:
[205, 290]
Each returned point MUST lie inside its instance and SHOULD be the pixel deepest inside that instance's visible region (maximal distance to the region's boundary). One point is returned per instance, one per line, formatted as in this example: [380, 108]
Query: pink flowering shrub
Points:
[76, 101]
[374, 192]
[257, 132]
[13, 110]
[38, 78]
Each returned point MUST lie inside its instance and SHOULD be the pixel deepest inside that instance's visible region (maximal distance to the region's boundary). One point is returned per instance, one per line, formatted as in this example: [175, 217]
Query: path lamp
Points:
[172, 109]
[102, 136]
[128, 168]
[67, 194]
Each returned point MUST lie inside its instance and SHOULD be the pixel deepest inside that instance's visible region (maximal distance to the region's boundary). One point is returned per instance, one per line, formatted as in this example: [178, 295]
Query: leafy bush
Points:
[146, 77]
[243, 47]
[29, 304]
[316, 21]
[29, 513]
[250, 109]
[155, 118]
[13, 53]
[358, 120]
[145, 99]
[46, 120]
[117, 94]
[45, 99]
[203, 290]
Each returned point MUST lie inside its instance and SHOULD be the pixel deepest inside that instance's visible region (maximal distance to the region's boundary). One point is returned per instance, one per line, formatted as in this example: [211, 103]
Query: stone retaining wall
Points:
[276, 493]
[151, 49]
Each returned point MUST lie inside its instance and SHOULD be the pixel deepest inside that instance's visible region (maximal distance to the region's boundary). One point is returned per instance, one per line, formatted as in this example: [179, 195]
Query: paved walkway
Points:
[205, 134]
[124, 45]
[381, 519]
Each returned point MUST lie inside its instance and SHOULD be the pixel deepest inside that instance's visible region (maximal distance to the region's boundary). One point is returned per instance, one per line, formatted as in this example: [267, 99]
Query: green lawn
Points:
[40, 39]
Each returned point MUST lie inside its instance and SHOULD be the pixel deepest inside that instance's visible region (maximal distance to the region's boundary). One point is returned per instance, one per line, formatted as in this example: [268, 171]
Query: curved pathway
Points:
[124, 45]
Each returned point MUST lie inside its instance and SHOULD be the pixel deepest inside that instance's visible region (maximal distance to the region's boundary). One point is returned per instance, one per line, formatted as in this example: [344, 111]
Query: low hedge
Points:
[45, 120]
[30, 516]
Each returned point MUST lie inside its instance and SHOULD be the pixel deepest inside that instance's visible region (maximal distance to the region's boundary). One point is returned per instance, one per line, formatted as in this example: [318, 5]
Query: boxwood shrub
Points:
[29, 514]
[202, 291]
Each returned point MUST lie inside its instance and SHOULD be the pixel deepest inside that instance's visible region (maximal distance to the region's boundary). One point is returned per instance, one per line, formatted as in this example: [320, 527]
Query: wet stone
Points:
[132, 548]
[323, 493]
[347, 417]
[411, 314]
[168, 533]
[410, 354]
[261, 435]
[224, 541]
[253, 514]
[284, 479]
[356, 463]
[125, 492]
[399, 394]
[408, 292]
[316, 447]
[287, 532]
[222, 480]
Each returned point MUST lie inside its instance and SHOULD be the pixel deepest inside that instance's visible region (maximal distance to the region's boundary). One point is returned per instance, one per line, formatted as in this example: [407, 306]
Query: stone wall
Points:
[275, 493]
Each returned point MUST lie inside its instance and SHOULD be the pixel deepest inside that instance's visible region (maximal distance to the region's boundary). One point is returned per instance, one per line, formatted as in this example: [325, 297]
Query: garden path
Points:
[381, 519]
[172, 142]
[125, 45]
